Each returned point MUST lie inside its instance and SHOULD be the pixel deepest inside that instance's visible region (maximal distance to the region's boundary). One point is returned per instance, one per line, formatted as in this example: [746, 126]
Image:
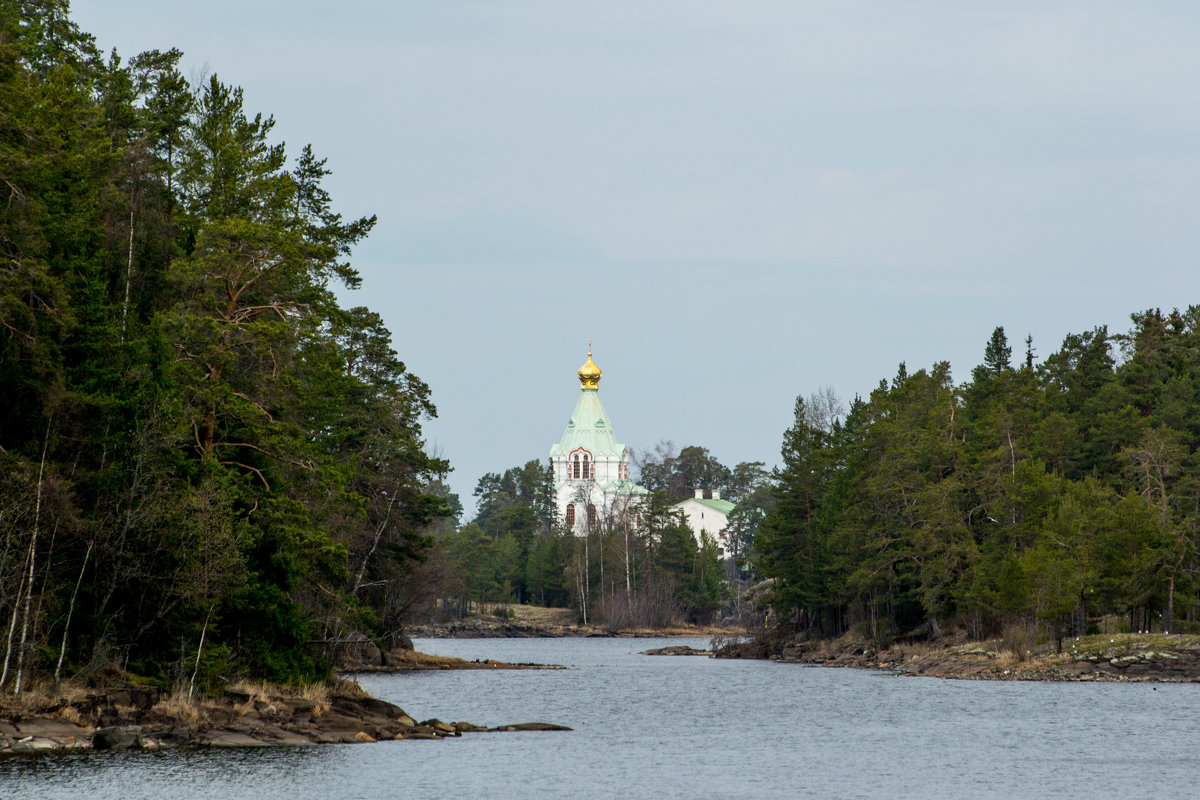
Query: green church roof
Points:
[590, 429]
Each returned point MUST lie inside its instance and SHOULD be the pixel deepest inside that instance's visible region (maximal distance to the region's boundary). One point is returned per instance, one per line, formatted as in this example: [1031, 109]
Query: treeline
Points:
[208, 467]
[1055, 494]
[619, 575]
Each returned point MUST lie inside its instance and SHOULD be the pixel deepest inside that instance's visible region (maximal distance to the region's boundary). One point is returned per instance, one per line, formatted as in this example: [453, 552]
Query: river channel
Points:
[691, 727]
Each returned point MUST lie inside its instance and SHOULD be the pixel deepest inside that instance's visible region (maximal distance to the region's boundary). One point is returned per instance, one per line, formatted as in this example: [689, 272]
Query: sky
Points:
[736, 202]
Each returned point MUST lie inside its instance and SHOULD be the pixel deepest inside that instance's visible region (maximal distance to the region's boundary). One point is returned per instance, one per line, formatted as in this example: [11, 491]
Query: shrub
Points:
[1018, 640]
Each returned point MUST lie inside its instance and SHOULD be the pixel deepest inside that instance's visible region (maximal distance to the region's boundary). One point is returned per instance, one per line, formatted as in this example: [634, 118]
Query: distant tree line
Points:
[208, 467]
[1054, 495]
[642, 571]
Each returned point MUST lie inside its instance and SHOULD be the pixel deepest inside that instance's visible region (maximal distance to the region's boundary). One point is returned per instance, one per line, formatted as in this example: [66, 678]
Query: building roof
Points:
[724, 506]
[590, 429]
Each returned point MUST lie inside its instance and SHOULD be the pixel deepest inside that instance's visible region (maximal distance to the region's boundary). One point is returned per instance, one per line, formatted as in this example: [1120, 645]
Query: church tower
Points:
[591, 468]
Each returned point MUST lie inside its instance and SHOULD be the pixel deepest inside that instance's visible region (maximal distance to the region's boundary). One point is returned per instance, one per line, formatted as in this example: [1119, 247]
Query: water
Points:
[687, 727]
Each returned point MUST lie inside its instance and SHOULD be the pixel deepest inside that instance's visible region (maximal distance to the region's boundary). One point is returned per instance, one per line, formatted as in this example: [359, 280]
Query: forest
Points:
[620, 575]
[208, 466]
[1047, 494]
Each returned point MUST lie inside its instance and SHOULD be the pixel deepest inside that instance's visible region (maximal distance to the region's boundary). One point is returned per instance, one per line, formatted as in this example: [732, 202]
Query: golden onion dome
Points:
[589, 373]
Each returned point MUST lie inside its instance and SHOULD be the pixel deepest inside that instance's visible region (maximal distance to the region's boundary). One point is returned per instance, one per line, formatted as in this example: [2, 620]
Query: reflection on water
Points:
[688, 727]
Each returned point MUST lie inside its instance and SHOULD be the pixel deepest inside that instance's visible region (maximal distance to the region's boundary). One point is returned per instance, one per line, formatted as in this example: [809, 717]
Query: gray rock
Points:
[35, 743]
[118, 737]
[50, 728]
[234, 739]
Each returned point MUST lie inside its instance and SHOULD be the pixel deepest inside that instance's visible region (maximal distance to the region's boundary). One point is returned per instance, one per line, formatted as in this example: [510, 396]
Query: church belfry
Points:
[591, 468]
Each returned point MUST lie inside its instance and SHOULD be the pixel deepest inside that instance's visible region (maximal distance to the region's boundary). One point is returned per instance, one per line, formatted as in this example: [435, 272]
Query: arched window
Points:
[580, 465]
[570, 515]
[591, 516]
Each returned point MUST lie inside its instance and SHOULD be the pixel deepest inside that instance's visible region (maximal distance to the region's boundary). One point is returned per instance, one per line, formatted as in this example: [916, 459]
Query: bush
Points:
[1019, 640]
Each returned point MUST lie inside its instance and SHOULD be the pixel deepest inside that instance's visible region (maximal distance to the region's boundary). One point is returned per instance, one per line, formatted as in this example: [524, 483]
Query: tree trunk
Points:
[62, 650]
[199, 650]
[1169, 614]
[1081, 615]
[37, 516]
[628, 585]
[12, 627]
[128, 274]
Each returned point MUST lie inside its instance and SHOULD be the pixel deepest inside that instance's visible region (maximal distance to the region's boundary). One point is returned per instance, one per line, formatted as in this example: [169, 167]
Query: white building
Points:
[591, 468]
[706, 516]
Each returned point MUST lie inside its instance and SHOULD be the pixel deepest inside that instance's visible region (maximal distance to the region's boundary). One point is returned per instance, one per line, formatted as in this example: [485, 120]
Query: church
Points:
[591, 468]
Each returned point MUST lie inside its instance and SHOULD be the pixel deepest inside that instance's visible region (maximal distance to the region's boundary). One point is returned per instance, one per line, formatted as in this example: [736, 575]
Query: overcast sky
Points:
[738, 202]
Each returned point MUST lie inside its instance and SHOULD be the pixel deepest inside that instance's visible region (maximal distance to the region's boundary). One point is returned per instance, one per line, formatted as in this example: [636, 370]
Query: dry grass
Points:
[45, 698]
[917, 650]
[1019, 640]
[178, 706]
[1005, 659]
[541, 616]
[318, 695]
[1107, 646]
[72, 715]
[346, 687]
[23, 704]
[258, 690]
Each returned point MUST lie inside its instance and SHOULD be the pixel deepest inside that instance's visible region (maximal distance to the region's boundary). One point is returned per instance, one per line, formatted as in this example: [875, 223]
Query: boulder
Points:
[302, 710]
[531, 726]
[32, 744]
[467, 727]
[237, 696]
[676, 650]
[118, 737]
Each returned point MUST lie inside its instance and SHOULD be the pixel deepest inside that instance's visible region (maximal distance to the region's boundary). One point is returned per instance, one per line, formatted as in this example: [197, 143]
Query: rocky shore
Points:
[404, 660]
[676, 650]
[488, 629]
[1104, 657]
[128, 717]
[515, 621]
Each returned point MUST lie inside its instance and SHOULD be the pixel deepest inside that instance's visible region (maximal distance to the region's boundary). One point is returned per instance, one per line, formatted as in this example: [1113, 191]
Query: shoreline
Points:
[402, 660]
[1156, 658]
[478, 628]
[126, 716]
[130, 717]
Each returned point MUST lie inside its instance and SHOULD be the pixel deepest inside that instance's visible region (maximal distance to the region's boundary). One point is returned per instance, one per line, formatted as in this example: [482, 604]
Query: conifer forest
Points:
[211, 466]
[208, 466]
[1045, 493]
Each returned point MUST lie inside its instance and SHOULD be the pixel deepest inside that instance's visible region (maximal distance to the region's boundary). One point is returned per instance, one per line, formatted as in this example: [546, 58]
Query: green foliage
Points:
[680, 474]
[194, 432]
[638, 570]
[1046, 494]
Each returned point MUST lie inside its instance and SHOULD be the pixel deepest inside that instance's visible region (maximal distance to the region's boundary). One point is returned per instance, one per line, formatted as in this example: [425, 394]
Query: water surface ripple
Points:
[688, 727]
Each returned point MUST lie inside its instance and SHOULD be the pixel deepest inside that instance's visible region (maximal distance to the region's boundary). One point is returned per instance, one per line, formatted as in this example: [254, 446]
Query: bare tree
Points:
[32, 559]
